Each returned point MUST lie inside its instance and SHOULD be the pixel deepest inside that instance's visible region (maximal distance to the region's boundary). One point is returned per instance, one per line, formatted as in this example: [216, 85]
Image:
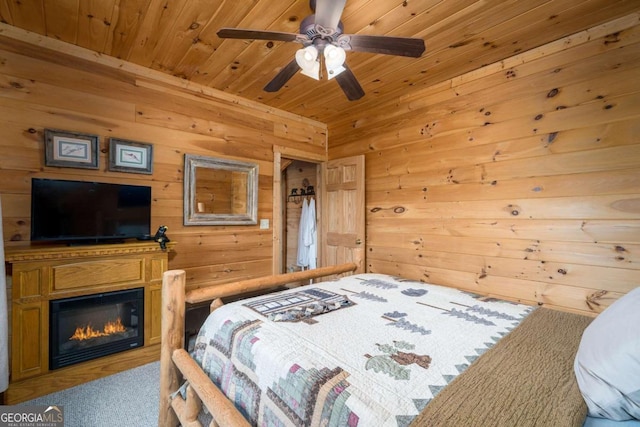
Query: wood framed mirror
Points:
[219, 191]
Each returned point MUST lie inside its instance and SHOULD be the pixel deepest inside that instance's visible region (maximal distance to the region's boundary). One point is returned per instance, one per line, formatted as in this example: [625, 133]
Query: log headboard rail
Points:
[228, 289]
[175, 363]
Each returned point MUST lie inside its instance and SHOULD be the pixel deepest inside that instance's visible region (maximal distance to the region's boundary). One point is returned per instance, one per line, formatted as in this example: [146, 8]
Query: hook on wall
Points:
[307, 190]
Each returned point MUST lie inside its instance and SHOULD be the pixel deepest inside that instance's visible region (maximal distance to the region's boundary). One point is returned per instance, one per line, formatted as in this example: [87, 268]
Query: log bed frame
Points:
[176, 365]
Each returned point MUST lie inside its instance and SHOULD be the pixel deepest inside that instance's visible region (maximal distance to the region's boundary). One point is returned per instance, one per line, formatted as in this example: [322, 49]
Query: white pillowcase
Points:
[607, 364]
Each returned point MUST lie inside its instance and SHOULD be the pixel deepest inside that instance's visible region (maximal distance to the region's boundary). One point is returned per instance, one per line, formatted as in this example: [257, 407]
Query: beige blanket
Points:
[526, 379]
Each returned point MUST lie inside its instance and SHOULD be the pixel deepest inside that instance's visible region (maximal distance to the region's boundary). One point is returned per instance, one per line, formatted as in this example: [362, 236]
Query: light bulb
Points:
[334, 60]
[307, 60]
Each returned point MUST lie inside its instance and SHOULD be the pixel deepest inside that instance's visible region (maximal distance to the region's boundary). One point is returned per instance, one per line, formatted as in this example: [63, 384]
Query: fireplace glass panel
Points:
[88, 327]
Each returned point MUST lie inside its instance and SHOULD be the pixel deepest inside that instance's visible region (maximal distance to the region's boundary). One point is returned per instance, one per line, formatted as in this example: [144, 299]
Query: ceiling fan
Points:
[323, 40]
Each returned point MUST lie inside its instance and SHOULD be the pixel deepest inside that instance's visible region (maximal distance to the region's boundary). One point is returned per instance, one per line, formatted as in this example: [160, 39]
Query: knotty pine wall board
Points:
[521, 182]
[550, 109]
[490, 169]
[220, 272]
[510, 288]
[577, 184]
[618, 233]
[620, 279]
[587, 57]
[601, 254]
[49, 84]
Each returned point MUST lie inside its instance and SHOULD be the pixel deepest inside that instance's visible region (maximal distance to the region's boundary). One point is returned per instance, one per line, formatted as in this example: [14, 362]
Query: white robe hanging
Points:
[307, 251]
[310, 238]
[4, 319]
[303, 251]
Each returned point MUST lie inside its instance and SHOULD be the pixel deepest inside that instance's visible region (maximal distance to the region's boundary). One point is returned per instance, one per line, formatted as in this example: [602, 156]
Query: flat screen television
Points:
[88, 212]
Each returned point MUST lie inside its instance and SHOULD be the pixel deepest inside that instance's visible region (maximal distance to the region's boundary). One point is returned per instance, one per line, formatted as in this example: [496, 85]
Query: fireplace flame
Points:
[87, 332]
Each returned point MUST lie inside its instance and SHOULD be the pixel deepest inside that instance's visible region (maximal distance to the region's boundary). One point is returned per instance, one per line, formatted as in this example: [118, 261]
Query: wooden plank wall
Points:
[50, 84]
[519, 180]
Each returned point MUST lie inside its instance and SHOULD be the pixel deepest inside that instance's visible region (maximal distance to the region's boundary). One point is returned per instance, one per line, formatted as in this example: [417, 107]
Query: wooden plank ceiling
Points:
[178, 37]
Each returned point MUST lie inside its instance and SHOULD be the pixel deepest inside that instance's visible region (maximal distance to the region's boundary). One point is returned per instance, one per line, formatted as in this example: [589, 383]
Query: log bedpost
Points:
[175, 362]
[173, 307]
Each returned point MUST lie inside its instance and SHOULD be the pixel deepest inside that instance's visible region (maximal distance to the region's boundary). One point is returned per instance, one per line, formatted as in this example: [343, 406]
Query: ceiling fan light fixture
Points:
[307, 59]
[323, 39]
[334, 57]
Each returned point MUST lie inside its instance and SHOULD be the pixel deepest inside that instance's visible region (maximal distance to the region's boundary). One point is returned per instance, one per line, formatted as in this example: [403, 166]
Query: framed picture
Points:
[70, 149]
[130, 156]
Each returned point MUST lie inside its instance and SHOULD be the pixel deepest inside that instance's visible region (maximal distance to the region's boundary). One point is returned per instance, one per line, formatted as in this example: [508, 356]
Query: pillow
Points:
[607, 364]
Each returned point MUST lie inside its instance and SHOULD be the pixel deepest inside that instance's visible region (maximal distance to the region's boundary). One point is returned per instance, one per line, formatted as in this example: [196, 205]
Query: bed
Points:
[366, 350]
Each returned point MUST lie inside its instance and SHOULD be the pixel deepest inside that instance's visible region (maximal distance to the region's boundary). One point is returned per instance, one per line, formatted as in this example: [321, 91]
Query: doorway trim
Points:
[295, 154]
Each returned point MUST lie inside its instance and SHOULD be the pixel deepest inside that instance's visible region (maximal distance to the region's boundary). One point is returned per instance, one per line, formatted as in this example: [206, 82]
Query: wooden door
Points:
[343, 215]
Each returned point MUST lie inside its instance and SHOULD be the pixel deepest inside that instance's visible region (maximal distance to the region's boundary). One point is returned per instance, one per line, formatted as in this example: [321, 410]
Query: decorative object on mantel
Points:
[161, 237]
[70, 149]
[130, 156]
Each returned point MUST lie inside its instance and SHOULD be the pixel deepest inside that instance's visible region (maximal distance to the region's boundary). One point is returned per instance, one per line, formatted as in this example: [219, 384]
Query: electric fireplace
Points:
[92, 326]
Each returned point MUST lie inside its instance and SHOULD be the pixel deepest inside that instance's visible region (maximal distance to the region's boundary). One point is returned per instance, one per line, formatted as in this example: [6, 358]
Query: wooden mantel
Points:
[43, 273]
[36, 252]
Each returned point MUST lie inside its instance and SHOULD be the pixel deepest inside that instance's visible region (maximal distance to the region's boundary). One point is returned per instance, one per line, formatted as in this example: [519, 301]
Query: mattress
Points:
[364, 350]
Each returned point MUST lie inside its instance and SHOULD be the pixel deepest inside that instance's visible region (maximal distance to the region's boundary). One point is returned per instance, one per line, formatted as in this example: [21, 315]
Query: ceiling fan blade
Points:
[402, 46]
[328, 13]
[282, 77]
[239, 33]
[349, 84]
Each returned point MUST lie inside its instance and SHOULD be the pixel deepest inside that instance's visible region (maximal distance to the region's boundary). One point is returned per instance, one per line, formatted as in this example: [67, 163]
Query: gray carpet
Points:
[127, 399]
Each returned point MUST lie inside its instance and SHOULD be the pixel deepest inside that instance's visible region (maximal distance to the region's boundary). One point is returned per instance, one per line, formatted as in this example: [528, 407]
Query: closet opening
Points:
[300, 215]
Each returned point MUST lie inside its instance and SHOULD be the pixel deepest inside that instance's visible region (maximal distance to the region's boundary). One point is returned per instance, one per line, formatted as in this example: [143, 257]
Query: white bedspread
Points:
[384, 348]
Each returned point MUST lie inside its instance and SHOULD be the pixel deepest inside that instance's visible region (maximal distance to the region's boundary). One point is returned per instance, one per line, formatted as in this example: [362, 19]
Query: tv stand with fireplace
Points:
[45, 276]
